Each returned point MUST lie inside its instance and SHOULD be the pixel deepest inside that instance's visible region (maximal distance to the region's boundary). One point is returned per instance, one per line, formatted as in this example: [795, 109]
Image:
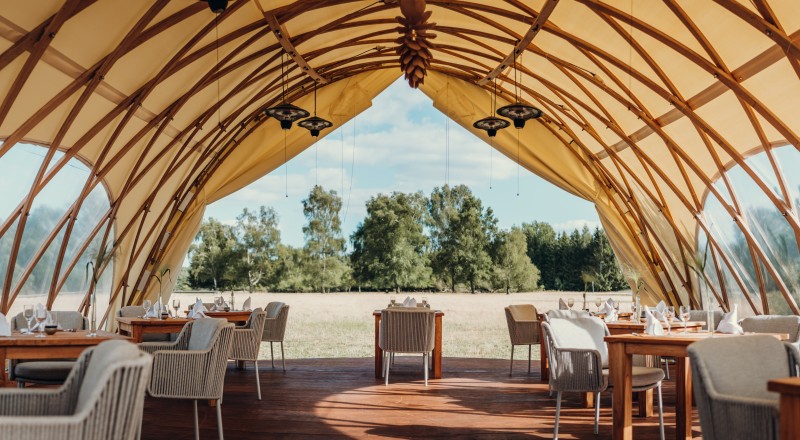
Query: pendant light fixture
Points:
[315, 124]
[285, 113]
[518, 112]
[491, 123]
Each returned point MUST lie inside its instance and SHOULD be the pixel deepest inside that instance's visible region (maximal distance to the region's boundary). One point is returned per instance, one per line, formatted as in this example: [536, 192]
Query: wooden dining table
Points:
[137, 327]
[789, 390]
[61, 345]
[436, 359]
[621, 349]
[234, 316]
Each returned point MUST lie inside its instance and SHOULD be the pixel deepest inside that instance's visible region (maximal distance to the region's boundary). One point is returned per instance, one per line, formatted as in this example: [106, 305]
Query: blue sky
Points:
[398, 144]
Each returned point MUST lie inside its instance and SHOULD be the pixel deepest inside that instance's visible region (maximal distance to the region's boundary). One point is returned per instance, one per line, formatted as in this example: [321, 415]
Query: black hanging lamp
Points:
[315, 124]
[217, 6]
[285, 113]
[491, 124]
[518, 112]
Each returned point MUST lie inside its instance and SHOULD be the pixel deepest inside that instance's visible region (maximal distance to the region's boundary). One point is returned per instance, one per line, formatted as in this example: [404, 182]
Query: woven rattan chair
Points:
[247, 342]
[579, 363]
[789, 324]
[406, 330]
[729, 377]
[565, 314]
[275, 328]
[523, 329]
[193, 367]
[50, 372]
[102, 399]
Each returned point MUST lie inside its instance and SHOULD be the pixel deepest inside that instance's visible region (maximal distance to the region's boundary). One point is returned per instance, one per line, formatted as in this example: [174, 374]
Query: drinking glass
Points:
[219, 302]
[41, 315]
[634, 312]
[597, 303]
[684, 316]
[393, 301]
[669, 315]
[570, 303]
[176, 304]
[27, 313]
[424, 302]
[146, 305]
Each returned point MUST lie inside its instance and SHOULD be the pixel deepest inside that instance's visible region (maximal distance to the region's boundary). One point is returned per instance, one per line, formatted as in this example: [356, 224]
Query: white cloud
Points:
[571, 225]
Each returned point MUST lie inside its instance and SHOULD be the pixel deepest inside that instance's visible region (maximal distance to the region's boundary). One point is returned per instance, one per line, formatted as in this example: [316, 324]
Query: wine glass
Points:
[684, 316]
[424, 301]
[27, 313]
[41, 315]
[669, 315]
[570, 303]
[146, 304]
[393, 301]
[219, 302]
[176, 304]
[597, 303]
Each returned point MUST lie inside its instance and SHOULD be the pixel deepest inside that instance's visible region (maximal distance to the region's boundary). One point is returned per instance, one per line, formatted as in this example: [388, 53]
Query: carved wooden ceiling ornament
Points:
[414, 45]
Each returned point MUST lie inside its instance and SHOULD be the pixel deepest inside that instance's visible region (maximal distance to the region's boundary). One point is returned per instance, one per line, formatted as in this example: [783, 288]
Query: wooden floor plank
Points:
[340, 398]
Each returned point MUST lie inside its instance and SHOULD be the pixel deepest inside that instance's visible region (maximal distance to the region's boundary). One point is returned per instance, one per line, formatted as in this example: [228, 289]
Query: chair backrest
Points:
[523, 325]
[523, 312]
[204, 333]
[586, 333]
[566, 314]
[774, 324]
[107, 356]
[407, 330]
[277, 315]
[130, 312]
[68, 319]
[736, 367]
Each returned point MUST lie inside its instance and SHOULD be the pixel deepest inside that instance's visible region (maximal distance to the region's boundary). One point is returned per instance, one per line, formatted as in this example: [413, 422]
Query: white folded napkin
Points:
[661, 307]
[5, 329]
[246, 305]
[652, 325]
[562, 305]
[198, 310]
[409, 302]
[611, 313]
[730, 322]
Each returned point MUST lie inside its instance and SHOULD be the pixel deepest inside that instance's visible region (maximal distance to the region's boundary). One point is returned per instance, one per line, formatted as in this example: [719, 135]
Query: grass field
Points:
[341, 324]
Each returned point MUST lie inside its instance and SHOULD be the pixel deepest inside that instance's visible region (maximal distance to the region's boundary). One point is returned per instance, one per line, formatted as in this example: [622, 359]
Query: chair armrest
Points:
[152, 347]
[41, 427]
[246, 344]
[744, 417]
[32, 402]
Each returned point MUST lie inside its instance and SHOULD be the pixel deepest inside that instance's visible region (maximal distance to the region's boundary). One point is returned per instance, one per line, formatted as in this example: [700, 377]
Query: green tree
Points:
[461, 232]
[389, 246]
[513, 269]
[290, 273]
[258, 238]
[212, 254]
[542, 250]
[324, 241]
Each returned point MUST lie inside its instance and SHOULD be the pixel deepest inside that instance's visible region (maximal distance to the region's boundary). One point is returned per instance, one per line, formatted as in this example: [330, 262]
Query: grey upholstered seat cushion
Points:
[43, 371]
[104, 356]
[641, 376]
[774, 324]
[204, 331]
[131, 312]
[566, 314]
[701, 316]
[68, 320]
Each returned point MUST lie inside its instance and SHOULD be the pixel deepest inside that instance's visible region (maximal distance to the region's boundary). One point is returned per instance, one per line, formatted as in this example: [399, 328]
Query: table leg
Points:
[683, 398]
[620, 364]
[544, 366]
[378, 351]
[588, 400]
[437, 349]
[646, 403]
[3, 365]
[790, 416]
[137, 333]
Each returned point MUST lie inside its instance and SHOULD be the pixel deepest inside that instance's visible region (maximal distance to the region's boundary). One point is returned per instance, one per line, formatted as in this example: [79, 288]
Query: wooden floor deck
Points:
[340, 398]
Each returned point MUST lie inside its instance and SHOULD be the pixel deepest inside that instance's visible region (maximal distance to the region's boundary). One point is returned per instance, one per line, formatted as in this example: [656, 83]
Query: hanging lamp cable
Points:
[216, 69]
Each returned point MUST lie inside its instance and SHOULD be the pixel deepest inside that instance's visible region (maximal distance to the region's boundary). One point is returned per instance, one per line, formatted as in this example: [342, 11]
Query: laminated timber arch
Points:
[646, 107]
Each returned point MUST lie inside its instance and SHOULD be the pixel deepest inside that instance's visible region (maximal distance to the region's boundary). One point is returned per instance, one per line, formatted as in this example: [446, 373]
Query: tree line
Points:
[407, 241]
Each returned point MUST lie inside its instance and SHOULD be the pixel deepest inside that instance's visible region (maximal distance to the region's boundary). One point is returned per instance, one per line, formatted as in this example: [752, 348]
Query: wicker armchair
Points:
[102, 399]
[579, 362]
[729, 377]
[789, 324]
[193, 367]
[275, 328]
[406, 330]
[523, 329]
[50, 372]
[247, 342]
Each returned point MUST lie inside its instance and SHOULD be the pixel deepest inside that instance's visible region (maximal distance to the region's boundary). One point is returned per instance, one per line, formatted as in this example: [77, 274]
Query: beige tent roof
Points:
[646, 105]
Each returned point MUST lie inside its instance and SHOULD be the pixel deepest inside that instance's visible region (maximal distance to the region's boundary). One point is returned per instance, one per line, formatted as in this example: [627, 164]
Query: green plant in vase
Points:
[94, 270]
[697, 263]
[636, 281]
[164, 272]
